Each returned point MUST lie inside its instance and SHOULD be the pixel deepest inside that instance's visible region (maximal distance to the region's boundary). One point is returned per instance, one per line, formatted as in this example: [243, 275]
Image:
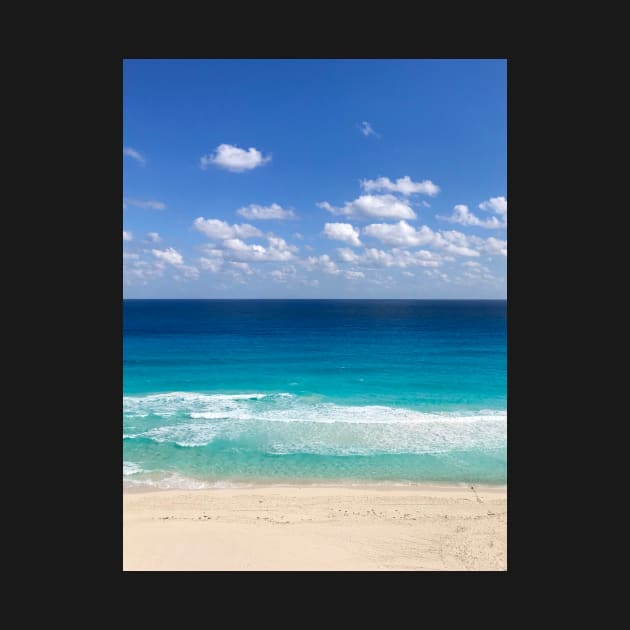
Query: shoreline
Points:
[385, 486]
[322, 527]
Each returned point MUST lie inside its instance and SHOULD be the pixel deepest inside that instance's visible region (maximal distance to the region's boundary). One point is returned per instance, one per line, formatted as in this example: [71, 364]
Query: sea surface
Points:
[220, 393]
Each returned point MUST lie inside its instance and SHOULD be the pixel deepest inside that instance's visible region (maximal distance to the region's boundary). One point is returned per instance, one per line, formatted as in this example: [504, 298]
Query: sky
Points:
[306, 178]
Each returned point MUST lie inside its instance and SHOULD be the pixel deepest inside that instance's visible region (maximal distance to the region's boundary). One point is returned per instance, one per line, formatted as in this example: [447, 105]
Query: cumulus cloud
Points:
[436, 273]
[154, 237]
[274, 211]
[211, 264]
[403, 185]
[353, 275]
[169, 255]
[278, 250]
[216, 229]
[149, 204]
[172, 257]
[373, 206]
[243, 267]
[234, 159]
[498, 205]
[367, 130]
[144, 270]
[493, 246]
[284, 274]
[342, 232]
[400, 234]
[455, 242]
[322, 263]
[403, 235]
[462, 215]
[372, 257]
[127, 236]
[132, 153]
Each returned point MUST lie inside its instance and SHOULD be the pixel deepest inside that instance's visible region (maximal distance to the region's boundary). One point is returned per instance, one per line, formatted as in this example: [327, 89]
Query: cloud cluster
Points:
[217, 229]
[498, 205]
[169, 255]
[127, 236]
[372, 257]
[143, 269]
[372, 207]
[254, 212]
[235, 159]
[403, 185]
[342, 232]
[403, 235]
[462, 215]
[235, 249]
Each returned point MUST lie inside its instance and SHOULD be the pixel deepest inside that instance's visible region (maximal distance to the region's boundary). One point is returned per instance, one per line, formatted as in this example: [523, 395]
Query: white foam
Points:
[131, 468]
[175, 481]
[285, 423]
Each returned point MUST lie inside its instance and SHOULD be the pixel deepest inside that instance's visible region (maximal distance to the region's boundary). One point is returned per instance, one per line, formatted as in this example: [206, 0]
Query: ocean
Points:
[220, 393]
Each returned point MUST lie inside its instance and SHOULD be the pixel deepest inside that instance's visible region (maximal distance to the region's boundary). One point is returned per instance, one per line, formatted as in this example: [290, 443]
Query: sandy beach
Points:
[430, 528]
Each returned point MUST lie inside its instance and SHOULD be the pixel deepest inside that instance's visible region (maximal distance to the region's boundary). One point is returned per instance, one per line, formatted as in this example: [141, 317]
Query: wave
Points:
[285, 424]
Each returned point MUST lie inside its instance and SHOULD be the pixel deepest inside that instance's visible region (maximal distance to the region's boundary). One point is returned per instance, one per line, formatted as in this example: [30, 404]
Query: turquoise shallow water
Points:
[238, 392]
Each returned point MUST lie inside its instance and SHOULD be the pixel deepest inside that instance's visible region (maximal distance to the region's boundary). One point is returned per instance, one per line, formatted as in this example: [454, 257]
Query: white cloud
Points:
[322, 263]
[403, 235]
[211, 264]
[274, 211]
[493, 246]
[144, 270]
[366, 129]
[455, 242]
[188, 271]
[426, 204]
[400, 234]
[216, 229]
[154, 237]
[435, 273]
[130, 256]
[278, 250]
[150, 204]
[353, 275]
[127, 236]
[373, 206]
[242, 266]
[342, 232]
[403, 185]
[284, 274]
[234, 159]
[169, 255]
[408, 274]
[461, 214]
[498, 205]
[132, 153]
[372, 257]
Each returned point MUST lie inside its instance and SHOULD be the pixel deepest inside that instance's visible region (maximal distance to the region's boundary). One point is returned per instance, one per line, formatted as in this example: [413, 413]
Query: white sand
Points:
[316, 528]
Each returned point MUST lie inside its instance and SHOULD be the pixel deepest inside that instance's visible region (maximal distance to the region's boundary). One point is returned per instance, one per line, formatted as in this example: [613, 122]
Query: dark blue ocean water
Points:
[314, 391]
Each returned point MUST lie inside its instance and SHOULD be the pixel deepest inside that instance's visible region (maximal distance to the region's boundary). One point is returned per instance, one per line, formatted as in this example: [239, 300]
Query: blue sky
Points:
[314, 178]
